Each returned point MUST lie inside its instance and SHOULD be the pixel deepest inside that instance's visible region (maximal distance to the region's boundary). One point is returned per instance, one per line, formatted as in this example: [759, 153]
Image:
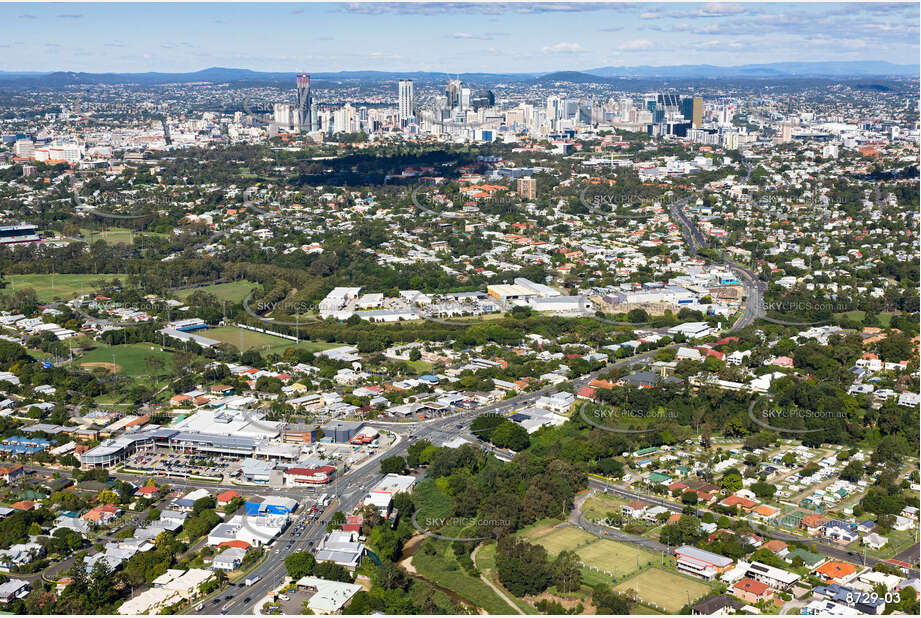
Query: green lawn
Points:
[597, 507]
[607, 556]
[562, 539]
[615, 557]
[129, 359]
[267, 344]
[663, 590]
[233, 292]
[114, 235]
[857, 316]
[50, 287]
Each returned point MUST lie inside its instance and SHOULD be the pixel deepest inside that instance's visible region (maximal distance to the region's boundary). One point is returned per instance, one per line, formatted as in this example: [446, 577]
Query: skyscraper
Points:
[453, 93]
[304, 100]
[697, 115]
[407, 101]
[692, 108]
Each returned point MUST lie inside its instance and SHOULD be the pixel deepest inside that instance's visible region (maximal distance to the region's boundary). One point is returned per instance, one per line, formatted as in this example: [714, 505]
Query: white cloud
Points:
[635, 45]
[563, 48]
[720, 9]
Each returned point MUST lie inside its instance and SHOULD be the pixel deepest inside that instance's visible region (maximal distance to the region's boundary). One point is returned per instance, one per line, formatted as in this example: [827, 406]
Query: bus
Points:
[252, 580]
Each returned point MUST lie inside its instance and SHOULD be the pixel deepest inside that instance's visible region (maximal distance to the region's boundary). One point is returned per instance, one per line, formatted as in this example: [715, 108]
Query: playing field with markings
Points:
[606, 555]
[615, 557]
[667, 590]
[561, 539]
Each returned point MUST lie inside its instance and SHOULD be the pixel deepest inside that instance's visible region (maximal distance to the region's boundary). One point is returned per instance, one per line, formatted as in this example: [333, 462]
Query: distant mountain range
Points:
[861, 68]
[856, 69]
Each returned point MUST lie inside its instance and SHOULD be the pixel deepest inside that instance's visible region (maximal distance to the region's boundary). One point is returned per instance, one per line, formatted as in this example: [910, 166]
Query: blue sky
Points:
[451, 37]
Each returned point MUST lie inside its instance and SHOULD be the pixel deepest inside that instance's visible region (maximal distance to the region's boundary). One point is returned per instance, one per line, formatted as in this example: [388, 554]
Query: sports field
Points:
[561, 539]
[50, 287]
[668, 591]
[605, 555]
[615, 557]
[129, 360]
[267, 344]
[114, 235]
[233, 292]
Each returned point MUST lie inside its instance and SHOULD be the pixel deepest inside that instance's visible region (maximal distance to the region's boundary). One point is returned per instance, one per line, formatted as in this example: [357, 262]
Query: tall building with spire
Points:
[304, 101]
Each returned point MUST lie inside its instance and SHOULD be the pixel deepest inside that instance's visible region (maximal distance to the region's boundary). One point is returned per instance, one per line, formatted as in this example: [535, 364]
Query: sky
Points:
[448, 37]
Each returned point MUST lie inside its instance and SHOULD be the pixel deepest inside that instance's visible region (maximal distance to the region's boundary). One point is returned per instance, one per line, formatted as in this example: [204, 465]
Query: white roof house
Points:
[328, 596]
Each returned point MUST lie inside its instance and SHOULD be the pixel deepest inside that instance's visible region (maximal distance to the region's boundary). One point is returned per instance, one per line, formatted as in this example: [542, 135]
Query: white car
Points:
[284, 597]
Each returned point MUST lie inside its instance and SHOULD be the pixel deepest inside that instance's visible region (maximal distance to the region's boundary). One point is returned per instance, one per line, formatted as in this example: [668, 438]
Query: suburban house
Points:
[752, 591]
[102, 515]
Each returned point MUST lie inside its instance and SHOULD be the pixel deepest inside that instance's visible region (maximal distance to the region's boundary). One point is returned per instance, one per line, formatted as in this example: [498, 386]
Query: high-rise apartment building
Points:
[527, 188]
[407, 101]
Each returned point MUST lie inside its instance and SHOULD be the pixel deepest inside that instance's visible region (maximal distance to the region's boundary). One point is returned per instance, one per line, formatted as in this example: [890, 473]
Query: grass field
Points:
[668, 591]
[857, 316]
[562, 539]
[114, 235]
[129, 359]
[611, 557]
[615, 557]
[267, 344]
[598, 506]
[50, 287]
[233, 292]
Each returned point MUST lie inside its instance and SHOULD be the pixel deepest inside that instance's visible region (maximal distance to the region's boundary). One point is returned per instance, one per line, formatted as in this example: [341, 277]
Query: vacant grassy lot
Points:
[129, 360]
[233, 292]
[50, 287]
[597, 507]
[668, 591]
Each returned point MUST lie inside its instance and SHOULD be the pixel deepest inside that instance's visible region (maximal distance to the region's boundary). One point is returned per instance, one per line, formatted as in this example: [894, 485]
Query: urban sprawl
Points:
[437, 346]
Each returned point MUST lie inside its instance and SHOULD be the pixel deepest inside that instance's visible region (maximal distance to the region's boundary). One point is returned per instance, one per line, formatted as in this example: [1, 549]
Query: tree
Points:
[415, 354]
[510, 435]
[763, 490]
[567, 572]
[299, 564]
[852, 472]
[333, 571]
[393, 465]
[523, 568]
[732, 480]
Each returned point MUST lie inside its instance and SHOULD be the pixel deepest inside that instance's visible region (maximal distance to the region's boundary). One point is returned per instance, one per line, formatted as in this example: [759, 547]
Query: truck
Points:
[251, 580]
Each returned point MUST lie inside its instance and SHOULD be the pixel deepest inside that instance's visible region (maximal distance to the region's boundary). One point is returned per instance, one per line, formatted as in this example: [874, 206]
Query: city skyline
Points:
[494, 38]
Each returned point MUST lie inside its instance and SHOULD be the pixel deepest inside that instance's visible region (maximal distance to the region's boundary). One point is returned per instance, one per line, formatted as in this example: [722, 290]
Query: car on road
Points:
[246, 600]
